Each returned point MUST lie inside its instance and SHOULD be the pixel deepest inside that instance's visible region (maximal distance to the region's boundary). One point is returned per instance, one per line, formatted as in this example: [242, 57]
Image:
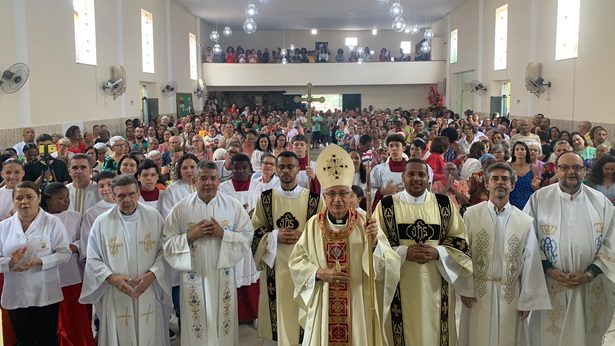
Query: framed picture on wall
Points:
[184, 104]
[320, 45]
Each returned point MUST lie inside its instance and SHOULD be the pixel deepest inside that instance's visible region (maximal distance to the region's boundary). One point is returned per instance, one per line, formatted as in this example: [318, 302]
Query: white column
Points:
[447, 87]
[478, 74]
[199, 102]
[531, 99]
[119, 46]
[21, 55]
[170, 100]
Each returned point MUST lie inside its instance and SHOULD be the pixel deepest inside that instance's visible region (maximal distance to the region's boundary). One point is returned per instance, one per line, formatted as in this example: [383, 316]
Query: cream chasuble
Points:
[508, 276]
[422, 311]
[208, 293]
[129, 245]
[341, 311]
[278, 314]
[574, 232]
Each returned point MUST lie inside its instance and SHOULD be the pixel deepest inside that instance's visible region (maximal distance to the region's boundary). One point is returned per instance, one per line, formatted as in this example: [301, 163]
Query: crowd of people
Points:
[303, 55]
[222, 218]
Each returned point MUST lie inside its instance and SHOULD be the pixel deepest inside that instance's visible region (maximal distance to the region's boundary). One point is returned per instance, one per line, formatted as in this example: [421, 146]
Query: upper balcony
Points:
[220, 75]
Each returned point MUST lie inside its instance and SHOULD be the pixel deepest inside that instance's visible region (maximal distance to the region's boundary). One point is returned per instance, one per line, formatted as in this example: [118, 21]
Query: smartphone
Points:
[47, 149]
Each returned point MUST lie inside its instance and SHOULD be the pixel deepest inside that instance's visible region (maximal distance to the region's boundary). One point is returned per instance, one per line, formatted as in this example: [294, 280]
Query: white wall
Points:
[61, 91]
[582, 87]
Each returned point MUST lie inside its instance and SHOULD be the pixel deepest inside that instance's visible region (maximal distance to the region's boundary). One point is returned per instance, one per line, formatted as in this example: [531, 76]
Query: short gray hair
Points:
[124, 180]
[205, 164]
[535, 144]
[152, 153]
[504, 166]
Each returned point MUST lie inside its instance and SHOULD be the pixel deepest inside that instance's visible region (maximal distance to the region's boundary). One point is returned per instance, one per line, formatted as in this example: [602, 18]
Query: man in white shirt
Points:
[83, 192]
[524, 134]
[28, 137]
[125, 275]
[574, 225]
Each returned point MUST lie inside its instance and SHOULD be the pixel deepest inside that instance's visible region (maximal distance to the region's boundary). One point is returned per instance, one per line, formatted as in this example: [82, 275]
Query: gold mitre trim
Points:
[334, 167]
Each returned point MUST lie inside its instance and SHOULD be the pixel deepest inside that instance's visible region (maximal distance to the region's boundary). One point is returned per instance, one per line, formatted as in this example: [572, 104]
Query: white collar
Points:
[505, 211]
[404, 196]
[566, 195]
[294, 193]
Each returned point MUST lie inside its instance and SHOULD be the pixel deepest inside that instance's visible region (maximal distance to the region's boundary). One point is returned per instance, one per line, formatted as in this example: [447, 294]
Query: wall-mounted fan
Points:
[116, 86]
[200, 88]
[170, 88]
[14, 78]
[534, 82]
[478, 87]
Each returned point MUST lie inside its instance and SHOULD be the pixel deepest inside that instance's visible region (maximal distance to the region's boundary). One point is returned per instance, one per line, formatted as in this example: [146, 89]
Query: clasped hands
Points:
[205, 229]
[422, 253]
[570, 280]
[17, 256]
[288, 236]
[132, 287]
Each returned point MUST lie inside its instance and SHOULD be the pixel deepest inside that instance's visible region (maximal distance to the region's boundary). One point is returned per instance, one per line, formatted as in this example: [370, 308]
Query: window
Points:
[567, 35]
[406, 47]
[351, 42]
[501, 38]
[147, 41]
[453, 57]
[85, 31]
[192, 48]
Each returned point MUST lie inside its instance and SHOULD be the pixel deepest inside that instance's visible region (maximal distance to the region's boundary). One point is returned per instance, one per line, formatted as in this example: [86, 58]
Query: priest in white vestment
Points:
[125, 274]
[574, 226]
[508, 281]
[279, 219]
[329, 265]
[428, 233]
[206, 235]
[83, 193]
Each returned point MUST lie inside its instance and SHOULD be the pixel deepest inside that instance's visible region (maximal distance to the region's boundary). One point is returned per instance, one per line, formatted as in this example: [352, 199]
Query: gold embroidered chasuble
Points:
[338, 314]
[278, 314]
[422, 311]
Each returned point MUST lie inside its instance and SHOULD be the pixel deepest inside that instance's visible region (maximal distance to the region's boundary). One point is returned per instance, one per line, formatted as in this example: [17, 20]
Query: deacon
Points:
[206, 235]
[125, 275]
[246, 191]
[574, 226]
[428, 233]
[508, 281]
[278, 220]
[329, 264]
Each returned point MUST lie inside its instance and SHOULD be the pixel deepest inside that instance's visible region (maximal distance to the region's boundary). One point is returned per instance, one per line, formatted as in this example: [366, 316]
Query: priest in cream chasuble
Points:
[508, 281]
[125, 275]
[429, 235]
[278, 220]
[205, 236]
[574, 226]
[329, 264]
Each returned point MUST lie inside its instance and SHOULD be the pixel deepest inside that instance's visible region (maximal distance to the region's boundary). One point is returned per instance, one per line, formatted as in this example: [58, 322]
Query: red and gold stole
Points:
[337, 252]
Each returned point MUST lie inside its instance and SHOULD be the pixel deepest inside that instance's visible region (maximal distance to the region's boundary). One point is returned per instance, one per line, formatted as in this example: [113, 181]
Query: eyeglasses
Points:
[341, 194]
[575, 168]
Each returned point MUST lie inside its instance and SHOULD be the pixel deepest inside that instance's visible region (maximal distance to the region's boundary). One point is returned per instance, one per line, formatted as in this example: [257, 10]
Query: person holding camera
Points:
[45, 168]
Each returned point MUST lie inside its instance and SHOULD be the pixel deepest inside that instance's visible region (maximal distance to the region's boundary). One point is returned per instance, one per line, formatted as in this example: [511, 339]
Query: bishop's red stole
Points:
[337, 252]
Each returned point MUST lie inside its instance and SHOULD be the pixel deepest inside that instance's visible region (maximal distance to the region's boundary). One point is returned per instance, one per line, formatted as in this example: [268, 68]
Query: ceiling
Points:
[319, 14]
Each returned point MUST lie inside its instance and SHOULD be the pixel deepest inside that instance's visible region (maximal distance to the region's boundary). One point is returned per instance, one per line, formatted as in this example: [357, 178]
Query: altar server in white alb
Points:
[205, 236]
[125, 274]
[574, 225]
[32, 246]
[507, 281]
